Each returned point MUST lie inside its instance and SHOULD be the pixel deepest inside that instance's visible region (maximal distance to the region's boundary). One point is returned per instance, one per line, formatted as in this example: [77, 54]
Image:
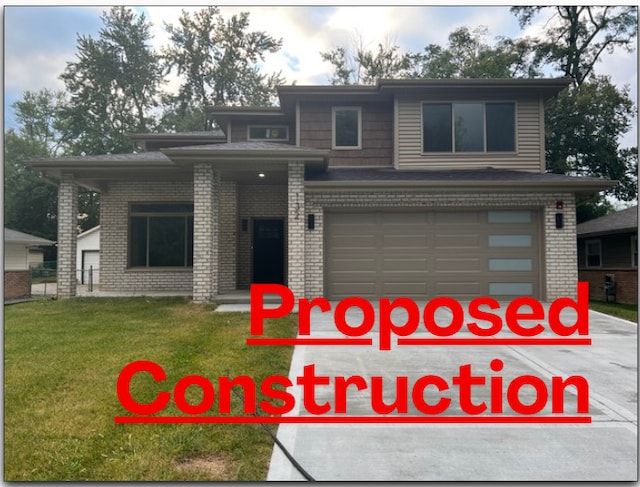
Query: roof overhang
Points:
[488, 180]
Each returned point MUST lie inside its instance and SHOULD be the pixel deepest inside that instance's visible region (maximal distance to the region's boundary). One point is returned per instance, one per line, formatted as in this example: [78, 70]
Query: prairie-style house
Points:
[413, 188]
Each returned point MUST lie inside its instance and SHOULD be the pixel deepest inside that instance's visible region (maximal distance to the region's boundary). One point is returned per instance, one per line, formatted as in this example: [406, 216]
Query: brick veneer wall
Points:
[296, 229]
[227, 254]
[114, 215]
[559, 264]
[17, 284]
[626, 284]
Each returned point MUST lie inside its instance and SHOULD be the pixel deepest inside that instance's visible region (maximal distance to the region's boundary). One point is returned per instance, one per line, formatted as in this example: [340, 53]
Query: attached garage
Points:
[422, 254]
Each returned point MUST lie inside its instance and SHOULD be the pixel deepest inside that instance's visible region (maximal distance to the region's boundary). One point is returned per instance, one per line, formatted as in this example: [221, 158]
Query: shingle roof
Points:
[620, 221]
[139, 157]
[14, 236]
[487, 174]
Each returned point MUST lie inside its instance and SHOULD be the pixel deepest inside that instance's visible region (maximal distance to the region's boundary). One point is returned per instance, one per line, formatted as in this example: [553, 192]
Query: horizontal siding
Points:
[377, 134]
[529, 151]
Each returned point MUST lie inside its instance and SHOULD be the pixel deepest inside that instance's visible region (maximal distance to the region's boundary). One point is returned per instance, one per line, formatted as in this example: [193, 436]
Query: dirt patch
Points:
[213, 467]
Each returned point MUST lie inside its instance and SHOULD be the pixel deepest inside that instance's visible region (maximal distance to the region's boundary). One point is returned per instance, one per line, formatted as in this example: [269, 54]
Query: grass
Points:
[624, 311]
[61, 363]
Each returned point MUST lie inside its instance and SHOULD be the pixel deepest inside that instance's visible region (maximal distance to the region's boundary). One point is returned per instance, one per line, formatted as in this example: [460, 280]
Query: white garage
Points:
[88, 256]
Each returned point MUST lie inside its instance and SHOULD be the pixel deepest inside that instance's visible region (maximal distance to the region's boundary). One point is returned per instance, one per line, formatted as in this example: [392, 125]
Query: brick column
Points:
[206, 185]
[67, 236]
[561, 256]
[296, 222]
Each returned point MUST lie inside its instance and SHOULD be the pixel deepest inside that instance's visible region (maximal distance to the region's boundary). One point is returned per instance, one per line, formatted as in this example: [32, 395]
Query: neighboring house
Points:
[608, 253]
[17, 277]
[88, 256]
[407, 188]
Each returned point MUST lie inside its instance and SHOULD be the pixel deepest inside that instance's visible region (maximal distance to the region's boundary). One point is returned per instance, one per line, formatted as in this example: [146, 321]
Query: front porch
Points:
[240, 209]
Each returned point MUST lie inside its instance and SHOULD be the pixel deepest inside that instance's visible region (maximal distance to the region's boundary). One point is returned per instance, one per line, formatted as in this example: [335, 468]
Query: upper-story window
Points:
[277, 133]
[347, 128]
[468, 127]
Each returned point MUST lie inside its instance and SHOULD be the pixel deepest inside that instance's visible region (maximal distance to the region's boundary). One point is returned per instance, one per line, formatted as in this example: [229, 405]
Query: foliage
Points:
[61, 362]
[219, 61]
[597, 113]
[30, 202]
[113, 86]
[574, 41]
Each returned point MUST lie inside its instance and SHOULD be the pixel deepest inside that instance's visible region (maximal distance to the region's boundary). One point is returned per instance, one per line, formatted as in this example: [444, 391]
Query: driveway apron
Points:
[605, 449]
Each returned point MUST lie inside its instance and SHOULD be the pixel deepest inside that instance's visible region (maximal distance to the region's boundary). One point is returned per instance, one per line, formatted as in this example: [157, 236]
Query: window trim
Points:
[484, 127]
[586, 253]
[281, 139]
[147, 214]
[333, 128]
[634, 255]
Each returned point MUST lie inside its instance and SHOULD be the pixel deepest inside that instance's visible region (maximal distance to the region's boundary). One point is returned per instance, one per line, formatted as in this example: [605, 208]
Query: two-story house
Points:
[413, 188]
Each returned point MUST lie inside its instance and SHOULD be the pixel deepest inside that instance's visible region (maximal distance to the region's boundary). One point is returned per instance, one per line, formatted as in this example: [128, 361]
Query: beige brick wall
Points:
[559, 267]
[114, 216]
[296, 226]
[228, 236]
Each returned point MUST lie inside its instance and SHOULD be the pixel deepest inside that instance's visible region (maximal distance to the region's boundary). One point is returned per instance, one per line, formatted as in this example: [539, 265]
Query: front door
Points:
[268, 251]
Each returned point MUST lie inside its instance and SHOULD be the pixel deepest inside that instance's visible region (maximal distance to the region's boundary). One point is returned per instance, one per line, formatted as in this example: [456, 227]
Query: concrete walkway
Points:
[606, 449]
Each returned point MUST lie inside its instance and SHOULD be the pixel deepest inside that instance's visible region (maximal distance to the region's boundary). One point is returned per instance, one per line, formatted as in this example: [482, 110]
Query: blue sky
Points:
[39, 41]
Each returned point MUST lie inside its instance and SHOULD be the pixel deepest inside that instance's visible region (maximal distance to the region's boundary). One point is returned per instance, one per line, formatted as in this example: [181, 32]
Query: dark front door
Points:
[268, 251]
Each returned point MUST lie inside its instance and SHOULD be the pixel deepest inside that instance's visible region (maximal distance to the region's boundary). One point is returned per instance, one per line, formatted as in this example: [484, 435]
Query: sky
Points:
[38, 41]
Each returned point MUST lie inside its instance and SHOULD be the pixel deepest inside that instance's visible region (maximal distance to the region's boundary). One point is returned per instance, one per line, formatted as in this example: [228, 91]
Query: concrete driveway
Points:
[605, 449]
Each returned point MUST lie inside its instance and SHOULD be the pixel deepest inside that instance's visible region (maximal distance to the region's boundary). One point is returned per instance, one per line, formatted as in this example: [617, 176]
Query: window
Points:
[161, 235]
[593, 253]
[347, 128]
[634, 251]
[468, 127]
[267, 132]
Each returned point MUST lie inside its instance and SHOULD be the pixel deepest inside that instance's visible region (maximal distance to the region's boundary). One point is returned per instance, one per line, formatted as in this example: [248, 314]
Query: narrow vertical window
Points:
[594, 253]
[347, 128]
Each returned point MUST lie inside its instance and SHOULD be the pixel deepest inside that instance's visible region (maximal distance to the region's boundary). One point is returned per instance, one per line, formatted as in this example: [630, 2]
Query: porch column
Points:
[67, 236]
[296, 221]
[205, 232]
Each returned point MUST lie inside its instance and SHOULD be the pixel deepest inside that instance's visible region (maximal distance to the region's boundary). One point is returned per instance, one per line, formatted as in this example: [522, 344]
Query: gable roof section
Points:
[14, 236]
[618, 222]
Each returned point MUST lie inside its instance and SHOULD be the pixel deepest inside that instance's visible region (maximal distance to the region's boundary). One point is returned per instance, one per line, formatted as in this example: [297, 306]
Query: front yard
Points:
[625, 311]
[61, 363]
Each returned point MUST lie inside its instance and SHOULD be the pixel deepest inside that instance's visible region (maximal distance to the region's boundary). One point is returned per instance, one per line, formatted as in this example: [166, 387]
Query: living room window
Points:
[347, 128]
[161, 235]
[593, 251]
[276, 133]
[468, 127]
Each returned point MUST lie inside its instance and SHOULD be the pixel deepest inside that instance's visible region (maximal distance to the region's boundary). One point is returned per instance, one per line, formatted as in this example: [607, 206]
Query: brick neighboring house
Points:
[409, 187]
[17, 276]
[608, 252]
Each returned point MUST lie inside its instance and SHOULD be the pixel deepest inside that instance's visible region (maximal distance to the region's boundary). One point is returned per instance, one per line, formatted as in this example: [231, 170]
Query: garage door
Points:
[462, 254]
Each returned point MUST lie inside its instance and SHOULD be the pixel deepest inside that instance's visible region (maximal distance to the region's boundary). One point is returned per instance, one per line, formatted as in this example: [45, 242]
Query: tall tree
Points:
[30, 202]
[113, 85]
[574, 41]
[218, 61]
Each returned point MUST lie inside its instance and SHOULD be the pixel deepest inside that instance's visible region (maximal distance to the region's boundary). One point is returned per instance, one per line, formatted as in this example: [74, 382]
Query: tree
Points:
[362, 66]
[113, 86]
[30, 202]
[581, 34]
[468, 55]
[218, 60]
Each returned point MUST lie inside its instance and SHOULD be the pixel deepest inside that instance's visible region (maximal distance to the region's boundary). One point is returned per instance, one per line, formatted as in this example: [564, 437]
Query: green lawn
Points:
[61, 363]
[624, 311]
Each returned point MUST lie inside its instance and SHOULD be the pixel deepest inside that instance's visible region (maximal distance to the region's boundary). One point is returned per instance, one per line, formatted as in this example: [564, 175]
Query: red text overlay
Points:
[465, 397]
